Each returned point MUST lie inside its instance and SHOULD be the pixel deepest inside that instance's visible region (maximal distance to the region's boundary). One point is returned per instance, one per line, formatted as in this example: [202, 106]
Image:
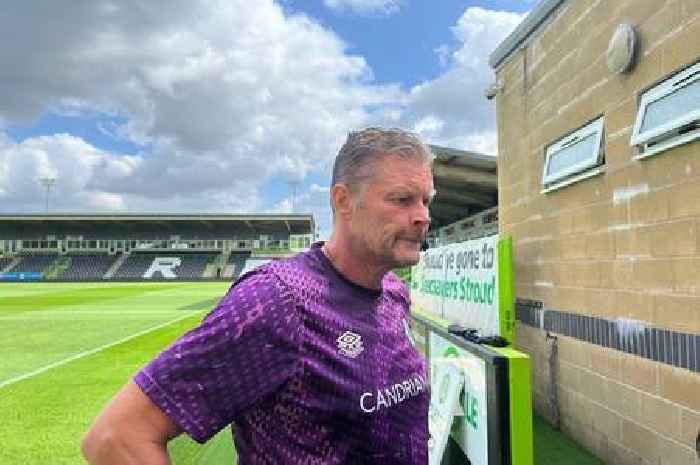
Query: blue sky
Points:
[401, 47]
[222, 106]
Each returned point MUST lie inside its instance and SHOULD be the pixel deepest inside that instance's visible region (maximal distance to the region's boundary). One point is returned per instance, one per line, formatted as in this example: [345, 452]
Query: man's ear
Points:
[342, 200]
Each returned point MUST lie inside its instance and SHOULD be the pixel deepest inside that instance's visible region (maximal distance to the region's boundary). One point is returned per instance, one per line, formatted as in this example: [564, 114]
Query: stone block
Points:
[680, 386]
[686, 275]
[654, 275]
[683, 198]
[674, 238]
[662, 416]
[690, 427]
[673, 453]
[641, 440]
[640, 373]
[677, 312]
[624, 400]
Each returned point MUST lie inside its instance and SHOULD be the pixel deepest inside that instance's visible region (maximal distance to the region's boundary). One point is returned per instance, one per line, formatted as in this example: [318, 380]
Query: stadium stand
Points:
[4, 261]
[109, 274]
[191, 265]
[134, 266]
[145, 246]
[235, 265]
[34, 263]
[85, 267]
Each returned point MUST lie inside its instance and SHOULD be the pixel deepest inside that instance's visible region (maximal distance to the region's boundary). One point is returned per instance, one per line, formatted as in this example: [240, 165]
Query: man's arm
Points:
[131, 430]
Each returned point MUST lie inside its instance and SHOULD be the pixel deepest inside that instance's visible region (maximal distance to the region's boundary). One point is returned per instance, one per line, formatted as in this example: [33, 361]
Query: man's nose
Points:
[422, 216]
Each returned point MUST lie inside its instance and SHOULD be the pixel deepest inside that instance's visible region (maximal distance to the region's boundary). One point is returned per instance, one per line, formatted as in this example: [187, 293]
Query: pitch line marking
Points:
[86, 353]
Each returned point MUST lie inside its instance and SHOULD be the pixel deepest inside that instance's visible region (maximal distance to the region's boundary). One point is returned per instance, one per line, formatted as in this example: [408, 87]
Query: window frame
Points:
[596, 159]
[662, 136]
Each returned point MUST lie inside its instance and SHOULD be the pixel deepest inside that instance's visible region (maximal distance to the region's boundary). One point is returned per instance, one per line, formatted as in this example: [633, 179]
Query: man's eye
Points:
[403, 200]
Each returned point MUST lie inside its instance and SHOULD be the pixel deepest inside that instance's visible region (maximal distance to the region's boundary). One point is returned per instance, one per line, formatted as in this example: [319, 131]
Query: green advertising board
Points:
[469, 283]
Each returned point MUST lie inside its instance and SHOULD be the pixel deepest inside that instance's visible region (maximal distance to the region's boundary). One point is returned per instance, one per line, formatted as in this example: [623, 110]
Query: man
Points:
[308, 357]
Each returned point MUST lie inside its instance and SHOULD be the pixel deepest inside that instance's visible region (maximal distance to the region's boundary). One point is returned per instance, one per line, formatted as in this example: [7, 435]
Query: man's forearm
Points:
[107, 450]
[131, 430]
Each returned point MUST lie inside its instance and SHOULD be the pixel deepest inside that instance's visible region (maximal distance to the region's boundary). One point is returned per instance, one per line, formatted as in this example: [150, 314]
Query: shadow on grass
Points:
[553, 447]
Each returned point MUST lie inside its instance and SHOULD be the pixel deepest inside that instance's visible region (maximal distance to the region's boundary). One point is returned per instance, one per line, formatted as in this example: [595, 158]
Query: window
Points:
[575, 156]
[669, 113]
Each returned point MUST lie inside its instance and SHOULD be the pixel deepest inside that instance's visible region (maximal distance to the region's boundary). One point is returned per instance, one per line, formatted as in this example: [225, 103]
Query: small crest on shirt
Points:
[350, 344]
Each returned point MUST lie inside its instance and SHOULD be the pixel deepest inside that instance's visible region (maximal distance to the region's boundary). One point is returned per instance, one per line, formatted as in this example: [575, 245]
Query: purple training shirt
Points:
[309, 367]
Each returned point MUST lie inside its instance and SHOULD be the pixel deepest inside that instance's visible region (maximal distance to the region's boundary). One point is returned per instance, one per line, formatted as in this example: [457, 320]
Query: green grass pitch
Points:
[67, 348]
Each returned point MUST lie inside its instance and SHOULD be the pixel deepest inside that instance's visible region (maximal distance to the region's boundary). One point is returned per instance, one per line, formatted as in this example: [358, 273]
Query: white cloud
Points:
[384, 7]
[316, 199]
[64, 157]
[429, 127]
[443, 53]
[86, 178]
[451, 109]
[106, 201]
[225, 95]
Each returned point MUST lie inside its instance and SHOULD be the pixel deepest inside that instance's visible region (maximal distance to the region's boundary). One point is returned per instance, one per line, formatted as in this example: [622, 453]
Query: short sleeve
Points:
[245, 349]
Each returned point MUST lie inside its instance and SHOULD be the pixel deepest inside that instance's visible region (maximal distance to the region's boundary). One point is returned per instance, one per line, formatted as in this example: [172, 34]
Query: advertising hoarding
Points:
[20, 276]
[468, 283]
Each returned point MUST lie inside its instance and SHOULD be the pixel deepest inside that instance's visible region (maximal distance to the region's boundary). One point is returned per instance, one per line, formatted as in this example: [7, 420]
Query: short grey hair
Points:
[363, 149]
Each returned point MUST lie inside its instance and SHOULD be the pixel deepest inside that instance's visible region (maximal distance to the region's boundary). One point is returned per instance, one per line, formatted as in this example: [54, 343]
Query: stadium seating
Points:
[191, 265]
[237, 262]
[34, 263]
[135, 266]
[4, 261]
[85, 267]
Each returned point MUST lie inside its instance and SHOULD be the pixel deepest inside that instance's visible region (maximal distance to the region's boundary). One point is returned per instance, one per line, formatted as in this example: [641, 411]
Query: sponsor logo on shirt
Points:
[350, 344]
[371, 402]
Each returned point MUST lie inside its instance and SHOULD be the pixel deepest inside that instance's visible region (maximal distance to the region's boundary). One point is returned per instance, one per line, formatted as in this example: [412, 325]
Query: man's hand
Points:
[131, 430]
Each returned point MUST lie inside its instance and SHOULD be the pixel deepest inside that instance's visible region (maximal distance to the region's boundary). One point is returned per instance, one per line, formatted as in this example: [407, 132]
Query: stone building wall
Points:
[609, 266]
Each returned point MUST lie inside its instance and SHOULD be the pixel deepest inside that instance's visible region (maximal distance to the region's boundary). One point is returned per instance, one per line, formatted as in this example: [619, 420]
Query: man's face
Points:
[390, 215]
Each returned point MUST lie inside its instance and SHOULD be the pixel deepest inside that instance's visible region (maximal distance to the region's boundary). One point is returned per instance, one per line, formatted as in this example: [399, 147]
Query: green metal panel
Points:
[506, 289]
[520, 403]
[516, 431]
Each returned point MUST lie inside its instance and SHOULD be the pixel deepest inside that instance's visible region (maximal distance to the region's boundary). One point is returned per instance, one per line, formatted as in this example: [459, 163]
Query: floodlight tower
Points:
[47, 183]
[294, 185]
